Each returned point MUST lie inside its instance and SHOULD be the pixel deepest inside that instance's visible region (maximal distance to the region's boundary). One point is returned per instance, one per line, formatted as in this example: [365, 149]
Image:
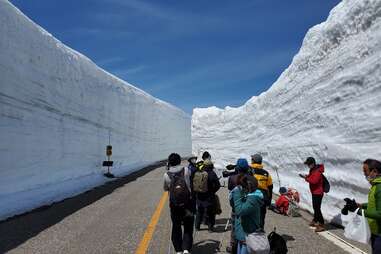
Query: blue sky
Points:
[195, 53]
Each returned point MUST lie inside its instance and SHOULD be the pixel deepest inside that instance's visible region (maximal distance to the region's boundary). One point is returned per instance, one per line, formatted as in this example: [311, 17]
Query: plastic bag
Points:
[257, 243]
[357, 228]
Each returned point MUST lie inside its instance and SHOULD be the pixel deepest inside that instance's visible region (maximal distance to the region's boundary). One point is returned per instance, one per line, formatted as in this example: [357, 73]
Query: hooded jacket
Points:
[373, 207]
[177, 169]
[247, 209]
[315, 179]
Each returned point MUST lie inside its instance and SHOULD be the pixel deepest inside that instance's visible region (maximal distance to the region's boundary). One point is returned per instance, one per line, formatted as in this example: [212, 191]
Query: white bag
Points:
[358, 228]
[257, 243]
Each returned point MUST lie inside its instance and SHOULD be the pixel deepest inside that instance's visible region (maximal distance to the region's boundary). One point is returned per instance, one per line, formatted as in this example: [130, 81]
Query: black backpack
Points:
[179, 195]
[277, 243]
[326, 185]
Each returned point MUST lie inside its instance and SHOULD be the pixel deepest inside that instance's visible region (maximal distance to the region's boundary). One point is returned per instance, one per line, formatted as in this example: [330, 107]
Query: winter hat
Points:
[282, 190]
[192, 158]
[256, 158]
[242, 165]
[206, 155]
[174, 159]
[310, 161]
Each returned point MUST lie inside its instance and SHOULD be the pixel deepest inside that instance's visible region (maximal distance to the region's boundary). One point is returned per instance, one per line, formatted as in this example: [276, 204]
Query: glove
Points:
[351, 204]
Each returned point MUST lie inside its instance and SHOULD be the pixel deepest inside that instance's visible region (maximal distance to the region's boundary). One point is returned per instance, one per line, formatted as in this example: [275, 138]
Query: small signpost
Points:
[108, 163]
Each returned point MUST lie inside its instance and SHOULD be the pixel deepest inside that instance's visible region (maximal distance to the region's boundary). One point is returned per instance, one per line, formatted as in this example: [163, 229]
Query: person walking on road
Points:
[265, 184]
[178, 183]
[315, 180]
[206, 184]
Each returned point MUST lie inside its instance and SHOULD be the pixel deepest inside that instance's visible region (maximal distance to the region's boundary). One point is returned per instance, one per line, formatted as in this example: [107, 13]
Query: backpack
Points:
[326, 184]
[200, 181]
[179, 194]
[277, 243]
[293, 209]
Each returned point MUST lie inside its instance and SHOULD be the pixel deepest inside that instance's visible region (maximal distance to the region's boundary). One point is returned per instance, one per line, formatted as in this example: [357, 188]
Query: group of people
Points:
[193, 200]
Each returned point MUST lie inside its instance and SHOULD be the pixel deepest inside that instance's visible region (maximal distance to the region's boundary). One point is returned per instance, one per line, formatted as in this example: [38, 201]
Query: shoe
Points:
[319, 228]
[229, 249]
[186, 252]
[179, 252]
[313, 224]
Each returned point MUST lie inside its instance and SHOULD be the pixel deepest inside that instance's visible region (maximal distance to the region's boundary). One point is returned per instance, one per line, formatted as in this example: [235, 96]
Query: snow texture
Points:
[326, 104]
[58, 111]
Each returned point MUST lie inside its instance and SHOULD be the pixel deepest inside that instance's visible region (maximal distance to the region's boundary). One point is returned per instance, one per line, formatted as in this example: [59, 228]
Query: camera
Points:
[230, 171]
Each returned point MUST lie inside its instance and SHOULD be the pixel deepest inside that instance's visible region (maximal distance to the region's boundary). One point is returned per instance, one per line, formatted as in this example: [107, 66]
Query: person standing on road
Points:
[241, 168]
[178, 183]
[265, 184]
[372, 209]
[246, 200]
[315, 180]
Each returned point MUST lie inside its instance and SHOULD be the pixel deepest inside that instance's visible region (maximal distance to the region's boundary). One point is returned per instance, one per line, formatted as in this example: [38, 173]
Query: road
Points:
[114, 218]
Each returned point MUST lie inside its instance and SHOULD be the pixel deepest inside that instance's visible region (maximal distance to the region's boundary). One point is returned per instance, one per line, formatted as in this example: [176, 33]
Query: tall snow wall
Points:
[326, 104]
[58, 111]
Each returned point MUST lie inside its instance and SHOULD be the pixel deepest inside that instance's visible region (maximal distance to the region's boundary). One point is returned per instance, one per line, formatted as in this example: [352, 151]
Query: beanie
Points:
[256, 158]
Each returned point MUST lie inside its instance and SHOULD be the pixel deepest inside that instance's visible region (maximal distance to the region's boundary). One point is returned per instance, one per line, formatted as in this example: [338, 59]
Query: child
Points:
[282, 202]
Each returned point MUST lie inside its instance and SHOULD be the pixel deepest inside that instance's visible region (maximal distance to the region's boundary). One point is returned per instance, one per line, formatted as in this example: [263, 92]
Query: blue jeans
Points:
[376, 244]
[242, 248]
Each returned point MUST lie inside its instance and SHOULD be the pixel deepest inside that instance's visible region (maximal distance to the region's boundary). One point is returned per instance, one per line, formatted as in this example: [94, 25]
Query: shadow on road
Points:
[206, 247]
[221, 224]
[17, 230]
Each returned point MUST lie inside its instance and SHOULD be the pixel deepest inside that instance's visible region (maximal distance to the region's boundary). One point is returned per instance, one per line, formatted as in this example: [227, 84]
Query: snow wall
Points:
[57, 113]
[326, 104]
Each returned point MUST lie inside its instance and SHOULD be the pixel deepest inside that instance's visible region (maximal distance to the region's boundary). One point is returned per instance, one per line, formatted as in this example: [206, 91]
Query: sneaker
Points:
[186, 252]
[319, 228]
[179, 252]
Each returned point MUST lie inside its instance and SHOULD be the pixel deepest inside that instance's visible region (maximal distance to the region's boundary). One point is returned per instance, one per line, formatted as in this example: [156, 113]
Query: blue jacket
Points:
[247, 209]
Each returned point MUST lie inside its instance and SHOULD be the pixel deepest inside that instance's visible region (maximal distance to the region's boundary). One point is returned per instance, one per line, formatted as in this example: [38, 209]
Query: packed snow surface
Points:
[58, 111]
[326, 104]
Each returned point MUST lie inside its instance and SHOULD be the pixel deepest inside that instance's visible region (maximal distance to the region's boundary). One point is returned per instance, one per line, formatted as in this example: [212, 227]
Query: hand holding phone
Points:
[302, 176]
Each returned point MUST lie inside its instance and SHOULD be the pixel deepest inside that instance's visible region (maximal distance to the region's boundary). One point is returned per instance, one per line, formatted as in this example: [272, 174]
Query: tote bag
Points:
[257, 243]
[358, 228]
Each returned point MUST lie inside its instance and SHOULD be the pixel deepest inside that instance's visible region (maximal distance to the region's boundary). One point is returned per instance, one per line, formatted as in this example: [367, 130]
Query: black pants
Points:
[263, 215]
[233, 241]
[316, 204]
[181, 241]
[209, 212]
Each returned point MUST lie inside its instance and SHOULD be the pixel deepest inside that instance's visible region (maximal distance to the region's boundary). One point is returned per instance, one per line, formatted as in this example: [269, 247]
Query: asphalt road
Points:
[113, 218]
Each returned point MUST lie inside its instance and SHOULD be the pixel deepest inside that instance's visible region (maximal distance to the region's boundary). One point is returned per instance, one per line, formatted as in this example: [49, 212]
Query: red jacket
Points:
[282, 204]
[315, 179]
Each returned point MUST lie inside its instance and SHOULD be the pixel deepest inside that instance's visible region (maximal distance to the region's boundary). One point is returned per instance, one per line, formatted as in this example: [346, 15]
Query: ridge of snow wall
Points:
[326, 104]
[57, 113]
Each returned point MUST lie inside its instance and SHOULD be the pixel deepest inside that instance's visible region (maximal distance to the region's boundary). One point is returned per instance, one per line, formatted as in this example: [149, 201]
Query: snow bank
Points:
[58, 111]
[326, 104]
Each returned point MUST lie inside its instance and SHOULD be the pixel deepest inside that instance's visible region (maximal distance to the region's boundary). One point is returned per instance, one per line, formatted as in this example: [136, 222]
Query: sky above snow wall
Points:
[326, 104]
[58, 111]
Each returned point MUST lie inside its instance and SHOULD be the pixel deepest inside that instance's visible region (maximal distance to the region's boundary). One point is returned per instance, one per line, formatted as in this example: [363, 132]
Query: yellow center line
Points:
[144, 243]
